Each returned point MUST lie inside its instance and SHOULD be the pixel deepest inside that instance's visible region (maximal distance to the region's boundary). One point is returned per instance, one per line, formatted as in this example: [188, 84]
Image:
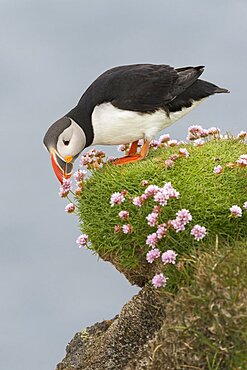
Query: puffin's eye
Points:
[66, 142]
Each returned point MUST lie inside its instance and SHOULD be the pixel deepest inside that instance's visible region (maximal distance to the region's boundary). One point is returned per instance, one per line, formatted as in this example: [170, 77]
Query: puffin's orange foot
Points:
[132, 157]
[127, 159]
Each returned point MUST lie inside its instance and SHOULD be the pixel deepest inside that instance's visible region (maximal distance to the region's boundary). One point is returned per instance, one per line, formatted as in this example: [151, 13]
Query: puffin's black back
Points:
[142, 88]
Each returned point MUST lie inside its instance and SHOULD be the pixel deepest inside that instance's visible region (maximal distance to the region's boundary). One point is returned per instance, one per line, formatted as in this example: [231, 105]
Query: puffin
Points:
[122, 106]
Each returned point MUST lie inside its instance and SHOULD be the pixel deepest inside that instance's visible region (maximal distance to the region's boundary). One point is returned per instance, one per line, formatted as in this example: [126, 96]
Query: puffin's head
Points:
[65, 139]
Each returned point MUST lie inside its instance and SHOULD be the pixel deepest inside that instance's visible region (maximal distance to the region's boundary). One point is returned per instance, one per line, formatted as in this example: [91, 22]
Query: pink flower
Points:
[86, 160]
[199, 142]
[177, 225]
[123, 147]
[152, 218]
[236, 211]
[117, 198]
[80, 175]
[70, 208]
[78, 191]
[111, 159]
[174, 157]
[199, 232]
[95, 153]
[218, 169]
[184, 216]
[169, 189]
[144, 197]
[144, 182]
[152, 255]
[159, 280]
[164, 194]
[62, 193]
[151, 190]
[138, 201]
[92, 159]
[100, 153]
[124, 215]
[154, 144]
[169, 257]
[213, 131]
[242, 161]
[191, 137]
[172, 142]
[152, 240]
[182, 219]
[169, 163]
[82, 240]
[117, 228]
[161, 197]
[195, 132]
[164, 138]
[65, 188]
[242, 135]
[245, 205]
[204, 133]
[183, 152]
[161, 231]
[127, 229]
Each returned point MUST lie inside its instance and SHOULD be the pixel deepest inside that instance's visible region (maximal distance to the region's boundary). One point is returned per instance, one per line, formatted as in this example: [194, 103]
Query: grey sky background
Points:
[50, 51]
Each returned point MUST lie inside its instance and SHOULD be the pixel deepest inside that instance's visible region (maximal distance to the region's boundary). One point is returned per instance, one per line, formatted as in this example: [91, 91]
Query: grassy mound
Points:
[206, 195]
[206, 324]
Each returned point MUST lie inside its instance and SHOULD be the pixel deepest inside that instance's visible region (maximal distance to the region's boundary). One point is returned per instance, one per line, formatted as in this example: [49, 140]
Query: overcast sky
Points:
[50, 51]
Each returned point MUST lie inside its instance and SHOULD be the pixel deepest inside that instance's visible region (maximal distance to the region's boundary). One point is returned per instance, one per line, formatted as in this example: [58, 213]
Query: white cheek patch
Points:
[64, 136]
[77, 140]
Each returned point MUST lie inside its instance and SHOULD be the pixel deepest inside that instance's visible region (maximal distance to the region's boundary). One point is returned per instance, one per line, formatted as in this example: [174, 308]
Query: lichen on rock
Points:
[111, 344]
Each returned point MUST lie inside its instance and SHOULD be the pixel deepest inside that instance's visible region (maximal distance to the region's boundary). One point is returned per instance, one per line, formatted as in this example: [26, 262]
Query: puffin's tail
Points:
[219, 90]
[189, 76]
[199, 90]
[207, 88]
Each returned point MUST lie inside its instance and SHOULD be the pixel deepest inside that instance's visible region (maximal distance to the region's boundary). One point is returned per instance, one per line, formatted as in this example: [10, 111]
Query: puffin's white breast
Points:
[114, 126]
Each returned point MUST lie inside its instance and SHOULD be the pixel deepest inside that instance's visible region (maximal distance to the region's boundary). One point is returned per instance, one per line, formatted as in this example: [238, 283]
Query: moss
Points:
[206, 195]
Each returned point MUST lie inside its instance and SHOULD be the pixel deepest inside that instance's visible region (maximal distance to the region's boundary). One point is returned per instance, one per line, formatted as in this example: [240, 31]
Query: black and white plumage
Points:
[123, 105]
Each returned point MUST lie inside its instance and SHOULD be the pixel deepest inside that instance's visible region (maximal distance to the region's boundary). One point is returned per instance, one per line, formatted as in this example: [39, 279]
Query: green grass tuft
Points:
[206, 323]
[208, 197]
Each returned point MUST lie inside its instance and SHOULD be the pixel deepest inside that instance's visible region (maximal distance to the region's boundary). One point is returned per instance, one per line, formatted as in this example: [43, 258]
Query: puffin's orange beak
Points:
[62, 168]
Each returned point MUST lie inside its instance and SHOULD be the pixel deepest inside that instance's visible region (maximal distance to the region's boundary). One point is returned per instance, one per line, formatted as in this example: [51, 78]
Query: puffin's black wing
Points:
[142, 87]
